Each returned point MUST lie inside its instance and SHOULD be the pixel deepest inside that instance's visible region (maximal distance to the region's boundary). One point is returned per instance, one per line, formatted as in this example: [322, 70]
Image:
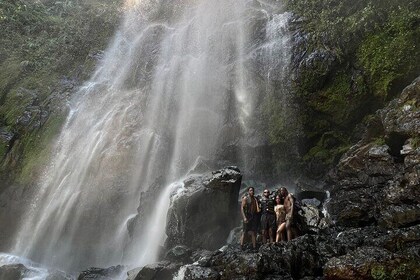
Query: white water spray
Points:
[177, 83]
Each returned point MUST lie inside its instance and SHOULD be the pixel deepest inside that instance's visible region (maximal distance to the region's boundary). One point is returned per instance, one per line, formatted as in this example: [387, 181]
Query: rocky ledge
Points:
[377, 182]
[373, 231]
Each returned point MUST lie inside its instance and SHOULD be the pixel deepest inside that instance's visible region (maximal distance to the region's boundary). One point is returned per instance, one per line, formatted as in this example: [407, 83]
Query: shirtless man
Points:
[249, 211]
[289, 208]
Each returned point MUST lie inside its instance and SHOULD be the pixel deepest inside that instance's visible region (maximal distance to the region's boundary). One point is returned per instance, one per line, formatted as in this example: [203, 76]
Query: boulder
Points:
[95, 273]
[315, 67]
[204, 212]
[194, 272]
[179, 253]
[312, 218]
[235, 264]
[13, 271]
[377, 181]
[369, 263]
[58, 275]
[137, 224]
[163, 270]
[402, 115]
[334, 252]
[307, 191]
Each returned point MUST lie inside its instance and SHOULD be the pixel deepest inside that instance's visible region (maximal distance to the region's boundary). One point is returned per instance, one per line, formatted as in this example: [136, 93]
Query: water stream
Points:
[181, 80]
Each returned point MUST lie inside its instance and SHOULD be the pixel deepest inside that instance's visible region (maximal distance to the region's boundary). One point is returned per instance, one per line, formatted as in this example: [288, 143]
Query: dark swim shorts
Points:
[252, 224]
[268, 221]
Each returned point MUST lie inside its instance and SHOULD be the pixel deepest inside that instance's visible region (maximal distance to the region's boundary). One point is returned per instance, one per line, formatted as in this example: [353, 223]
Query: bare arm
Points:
[242, 208]
[292, 202]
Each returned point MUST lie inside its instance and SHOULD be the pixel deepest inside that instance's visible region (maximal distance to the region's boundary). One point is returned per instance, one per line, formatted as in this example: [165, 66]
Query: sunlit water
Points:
[180, 80]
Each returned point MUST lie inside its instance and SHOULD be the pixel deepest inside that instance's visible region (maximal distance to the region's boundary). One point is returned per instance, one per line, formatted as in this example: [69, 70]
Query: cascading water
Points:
[181, 80]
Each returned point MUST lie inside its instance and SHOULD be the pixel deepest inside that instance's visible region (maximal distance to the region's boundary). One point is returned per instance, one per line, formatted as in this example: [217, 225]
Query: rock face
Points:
[202, 215]
[356, 253]
[12, 271]
[366, 263]
[377, 181]
[101, 273]
[163, 270]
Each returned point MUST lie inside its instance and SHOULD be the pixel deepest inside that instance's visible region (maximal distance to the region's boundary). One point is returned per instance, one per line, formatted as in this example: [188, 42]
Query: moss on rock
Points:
[393, 52]
[350, 59]
[42, 44]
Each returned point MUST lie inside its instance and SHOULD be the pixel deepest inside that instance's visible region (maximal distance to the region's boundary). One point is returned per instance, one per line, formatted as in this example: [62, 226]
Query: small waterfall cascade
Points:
[180, 80]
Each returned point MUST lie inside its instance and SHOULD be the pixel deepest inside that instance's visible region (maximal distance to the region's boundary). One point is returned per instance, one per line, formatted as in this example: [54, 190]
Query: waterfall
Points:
[180, 80]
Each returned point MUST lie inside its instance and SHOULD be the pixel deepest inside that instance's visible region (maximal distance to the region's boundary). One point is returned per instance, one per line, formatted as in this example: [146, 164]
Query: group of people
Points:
[272, 216]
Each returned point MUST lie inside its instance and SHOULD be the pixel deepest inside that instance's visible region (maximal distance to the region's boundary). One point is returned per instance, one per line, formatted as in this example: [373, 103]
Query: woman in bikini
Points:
[280, 219]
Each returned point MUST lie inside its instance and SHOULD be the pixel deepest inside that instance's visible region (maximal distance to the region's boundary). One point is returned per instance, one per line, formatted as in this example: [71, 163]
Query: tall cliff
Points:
[349, 59]
[47, 49]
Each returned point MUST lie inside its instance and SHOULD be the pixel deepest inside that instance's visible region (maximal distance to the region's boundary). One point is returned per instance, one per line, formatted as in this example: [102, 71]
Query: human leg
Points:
[264, 228]
[253, 239]
[289, 230]
[282, 229]
[272, 227]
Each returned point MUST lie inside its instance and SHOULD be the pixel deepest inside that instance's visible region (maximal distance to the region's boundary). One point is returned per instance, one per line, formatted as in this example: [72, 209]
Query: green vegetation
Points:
[415, 142]
[42, 43]
[37, 149]
[394, 271]
[393, 53]
[358, 56]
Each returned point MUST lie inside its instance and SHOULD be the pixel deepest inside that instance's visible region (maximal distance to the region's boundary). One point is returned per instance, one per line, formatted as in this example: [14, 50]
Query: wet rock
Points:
[357, 252]
[137, 224]
[26, 66]
[33, 117]
[306, 191]
[201, 165]
[396, 240]
[202, 257]
[294, 260]
[368, 161]
[58, 275]
[363, 263]
[101, 273]
[131, 274]
[234, 236]
[402, 116]
[163, 270]
[12, 271]
[378, 183]
[179, 253]
[399, 215]
[299, 258]
[235, 264]
[312, 218]
[193, 272]
[202, 215]
[5, 134]
[315, 67]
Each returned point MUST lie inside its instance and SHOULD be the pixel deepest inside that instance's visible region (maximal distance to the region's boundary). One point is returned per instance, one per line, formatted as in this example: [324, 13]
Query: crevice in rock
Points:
[412, 224]
[395, 141]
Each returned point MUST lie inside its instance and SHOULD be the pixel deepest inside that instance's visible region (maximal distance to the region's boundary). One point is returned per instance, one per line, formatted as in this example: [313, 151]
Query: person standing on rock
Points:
[290, 215]
[268, 217]
[280, 219]
[249, 211]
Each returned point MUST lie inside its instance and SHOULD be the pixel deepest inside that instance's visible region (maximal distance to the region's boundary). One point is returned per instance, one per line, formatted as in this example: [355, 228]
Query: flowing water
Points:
[181, 80]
